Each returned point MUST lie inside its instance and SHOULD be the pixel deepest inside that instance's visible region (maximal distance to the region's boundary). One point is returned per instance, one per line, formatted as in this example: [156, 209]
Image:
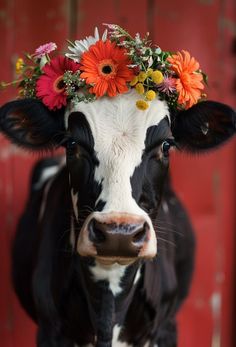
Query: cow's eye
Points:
[165, 147]
[71, 145]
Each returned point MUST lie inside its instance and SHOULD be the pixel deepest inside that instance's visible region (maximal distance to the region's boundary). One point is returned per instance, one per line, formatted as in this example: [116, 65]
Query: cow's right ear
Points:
[28, 123]
[204, 126]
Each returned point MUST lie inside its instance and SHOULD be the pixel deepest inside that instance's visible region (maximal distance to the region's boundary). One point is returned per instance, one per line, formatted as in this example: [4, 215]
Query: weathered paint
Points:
[206, 28]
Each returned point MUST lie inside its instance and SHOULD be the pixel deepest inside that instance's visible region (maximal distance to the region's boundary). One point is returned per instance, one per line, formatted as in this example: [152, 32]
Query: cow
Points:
[104, 251]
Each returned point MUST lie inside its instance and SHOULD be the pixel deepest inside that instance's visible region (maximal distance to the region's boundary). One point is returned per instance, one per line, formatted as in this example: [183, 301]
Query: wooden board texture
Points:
[205, 184]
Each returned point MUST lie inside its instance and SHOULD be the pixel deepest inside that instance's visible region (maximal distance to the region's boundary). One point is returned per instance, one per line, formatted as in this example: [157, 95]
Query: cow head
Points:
[117, 160]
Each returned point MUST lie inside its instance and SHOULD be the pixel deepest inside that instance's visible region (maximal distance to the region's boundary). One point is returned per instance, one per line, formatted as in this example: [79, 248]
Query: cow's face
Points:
[117, 157]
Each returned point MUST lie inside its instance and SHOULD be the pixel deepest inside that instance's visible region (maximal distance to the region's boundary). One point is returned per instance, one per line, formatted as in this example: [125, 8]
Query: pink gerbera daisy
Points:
[50, 86]
[44, 49]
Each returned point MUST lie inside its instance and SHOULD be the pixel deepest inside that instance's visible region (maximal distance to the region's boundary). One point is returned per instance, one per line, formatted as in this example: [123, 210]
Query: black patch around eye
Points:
[71, 145]
[165, 147]
[156, 134]
[79, 136]
[80, 151]
[79, 130]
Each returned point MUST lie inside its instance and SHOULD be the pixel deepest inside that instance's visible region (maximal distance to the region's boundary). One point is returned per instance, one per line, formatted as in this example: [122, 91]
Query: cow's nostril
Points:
[96, 235]
[140, 236]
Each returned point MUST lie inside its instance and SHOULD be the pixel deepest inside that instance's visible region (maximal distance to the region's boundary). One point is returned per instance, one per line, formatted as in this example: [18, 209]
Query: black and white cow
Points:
[104, 251]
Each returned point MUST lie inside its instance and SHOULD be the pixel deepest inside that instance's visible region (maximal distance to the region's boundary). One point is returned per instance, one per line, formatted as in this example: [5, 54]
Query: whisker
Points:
[159, 228]
[167, 241]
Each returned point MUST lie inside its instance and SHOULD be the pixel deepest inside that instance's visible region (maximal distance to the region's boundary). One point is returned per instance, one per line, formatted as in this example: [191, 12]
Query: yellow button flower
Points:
[142, 105]
[149, 72]
[150, 95]
[157, 76]
[19, 65]
[134, 81]
[21, 92]
[142, 76]
[139, 88]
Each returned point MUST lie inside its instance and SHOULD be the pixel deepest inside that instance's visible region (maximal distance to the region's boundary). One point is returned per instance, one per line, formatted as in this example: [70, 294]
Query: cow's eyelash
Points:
[85, 147]
[154, 145]
[80, 143]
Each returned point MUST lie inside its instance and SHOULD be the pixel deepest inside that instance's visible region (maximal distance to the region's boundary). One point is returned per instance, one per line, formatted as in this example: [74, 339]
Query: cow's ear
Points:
[28, 123]
[204, 126]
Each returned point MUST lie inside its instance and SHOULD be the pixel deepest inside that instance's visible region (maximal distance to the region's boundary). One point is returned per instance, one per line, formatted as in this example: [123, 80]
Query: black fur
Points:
[65, 302]
[29, 124]
[54, 283]
[217, 120]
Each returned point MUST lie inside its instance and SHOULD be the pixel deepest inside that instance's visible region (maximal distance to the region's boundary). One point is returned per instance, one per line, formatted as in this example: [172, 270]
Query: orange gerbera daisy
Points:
[104, 66]
[189, 84]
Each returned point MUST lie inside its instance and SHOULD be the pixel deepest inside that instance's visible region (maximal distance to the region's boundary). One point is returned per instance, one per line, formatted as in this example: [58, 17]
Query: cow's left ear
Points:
[204, 126]
[30, 124]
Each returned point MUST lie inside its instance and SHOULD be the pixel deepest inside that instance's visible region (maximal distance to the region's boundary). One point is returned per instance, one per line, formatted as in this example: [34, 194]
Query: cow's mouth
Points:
[115, 260]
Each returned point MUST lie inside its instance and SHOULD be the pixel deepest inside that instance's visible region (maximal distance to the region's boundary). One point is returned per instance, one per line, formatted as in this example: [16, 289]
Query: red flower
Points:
[104, 67]
[50, 86]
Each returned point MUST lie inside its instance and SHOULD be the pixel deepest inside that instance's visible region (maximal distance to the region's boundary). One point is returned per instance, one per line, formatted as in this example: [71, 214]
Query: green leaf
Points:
[205, 77]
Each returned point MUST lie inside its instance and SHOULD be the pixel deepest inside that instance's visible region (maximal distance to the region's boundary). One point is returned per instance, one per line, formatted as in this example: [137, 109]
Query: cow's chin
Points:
[115, 260]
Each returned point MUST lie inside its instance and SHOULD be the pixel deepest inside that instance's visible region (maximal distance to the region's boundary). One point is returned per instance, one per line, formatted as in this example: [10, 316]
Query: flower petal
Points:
[100, 55]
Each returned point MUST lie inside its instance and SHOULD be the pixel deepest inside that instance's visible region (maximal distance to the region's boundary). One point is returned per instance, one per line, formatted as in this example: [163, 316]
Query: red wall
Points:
[205, 184]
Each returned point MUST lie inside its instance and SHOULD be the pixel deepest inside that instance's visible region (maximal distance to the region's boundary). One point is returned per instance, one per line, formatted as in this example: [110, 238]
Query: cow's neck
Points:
[108, 302]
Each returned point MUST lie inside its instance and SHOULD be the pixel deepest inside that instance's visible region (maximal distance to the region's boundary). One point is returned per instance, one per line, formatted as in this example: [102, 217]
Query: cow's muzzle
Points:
[117, 237]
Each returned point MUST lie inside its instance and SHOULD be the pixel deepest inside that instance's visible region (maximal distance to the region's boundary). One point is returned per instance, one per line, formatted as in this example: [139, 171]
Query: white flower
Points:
[138, 39]
[43, 61]
[150, 61]
[158, 50]
[81, 46]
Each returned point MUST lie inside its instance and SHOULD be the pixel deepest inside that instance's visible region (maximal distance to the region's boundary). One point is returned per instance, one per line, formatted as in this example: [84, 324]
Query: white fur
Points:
[117, 343]
[50, 178]
[74, 197]
[46, 174]
[45, 198]
[137, 276]
[115, 338]
[165, 206]
[111, 273]
[119, 132]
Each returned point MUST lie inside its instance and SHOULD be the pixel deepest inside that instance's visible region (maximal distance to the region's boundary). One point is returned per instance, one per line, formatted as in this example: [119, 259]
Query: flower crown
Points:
[110, 65]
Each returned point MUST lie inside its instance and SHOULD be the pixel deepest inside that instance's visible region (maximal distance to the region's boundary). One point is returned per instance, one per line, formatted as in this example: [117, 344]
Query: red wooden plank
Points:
[206, 185]
[22, 29]
[93, 13]
[6, 315]
[209, 193]
[6, 311]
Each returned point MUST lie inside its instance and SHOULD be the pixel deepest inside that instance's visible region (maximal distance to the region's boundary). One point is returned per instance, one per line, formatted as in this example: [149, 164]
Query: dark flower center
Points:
[107, 69]
[59, 84]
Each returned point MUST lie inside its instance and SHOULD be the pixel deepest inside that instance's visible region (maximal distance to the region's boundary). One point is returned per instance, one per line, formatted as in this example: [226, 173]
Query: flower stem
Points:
[7, 84]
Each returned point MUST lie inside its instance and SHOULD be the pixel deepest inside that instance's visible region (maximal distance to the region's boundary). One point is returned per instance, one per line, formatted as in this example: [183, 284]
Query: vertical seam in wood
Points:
[73, 18]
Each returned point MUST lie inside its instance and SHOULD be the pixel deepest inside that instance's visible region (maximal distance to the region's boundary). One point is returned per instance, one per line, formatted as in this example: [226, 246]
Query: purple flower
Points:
[44, 49]
[168, 85]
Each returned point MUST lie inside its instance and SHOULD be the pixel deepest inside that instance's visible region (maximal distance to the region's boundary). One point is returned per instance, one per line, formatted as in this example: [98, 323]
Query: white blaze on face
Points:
[119, 131]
